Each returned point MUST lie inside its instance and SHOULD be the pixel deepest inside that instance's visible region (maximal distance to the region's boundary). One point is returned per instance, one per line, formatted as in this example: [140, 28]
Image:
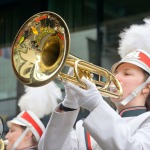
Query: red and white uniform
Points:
[108, 129]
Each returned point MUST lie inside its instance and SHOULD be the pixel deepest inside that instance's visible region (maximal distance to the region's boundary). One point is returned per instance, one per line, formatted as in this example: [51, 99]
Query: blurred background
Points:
[94, 26]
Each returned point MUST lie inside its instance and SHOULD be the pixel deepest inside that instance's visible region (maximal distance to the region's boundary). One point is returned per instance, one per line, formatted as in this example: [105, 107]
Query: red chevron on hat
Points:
[31, 121]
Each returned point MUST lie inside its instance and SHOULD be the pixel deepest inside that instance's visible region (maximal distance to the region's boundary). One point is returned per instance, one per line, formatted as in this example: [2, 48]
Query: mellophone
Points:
[40, 52]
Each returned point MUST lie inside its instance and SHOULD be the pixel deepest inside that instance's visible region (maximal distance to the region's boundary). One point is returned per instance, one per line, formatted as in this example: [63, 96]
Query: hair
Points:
[147, 103]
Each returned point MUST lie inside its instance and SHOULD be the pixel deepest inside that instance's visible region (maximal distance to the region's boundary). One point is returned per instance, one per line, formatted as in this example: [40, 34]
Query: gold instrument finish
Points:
[38, 49]
[2, 146]
[40, 52]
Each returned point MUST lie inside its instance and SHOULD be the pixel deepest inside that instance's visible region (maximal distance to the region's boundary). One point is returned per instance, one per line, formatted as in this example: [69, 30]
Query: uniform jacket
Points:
[108, 130]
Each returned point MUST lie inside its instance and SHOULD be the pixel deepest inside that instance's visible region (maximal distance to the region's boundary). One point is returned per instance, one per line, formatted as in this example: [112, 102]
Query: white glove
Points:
[89, 98]
[69, 100]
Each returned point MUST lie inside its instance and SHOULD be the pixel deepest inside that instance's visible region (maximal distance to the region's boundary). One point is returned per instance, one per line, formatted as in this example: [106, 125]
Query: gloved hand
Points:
[69, 100]
[89, 98]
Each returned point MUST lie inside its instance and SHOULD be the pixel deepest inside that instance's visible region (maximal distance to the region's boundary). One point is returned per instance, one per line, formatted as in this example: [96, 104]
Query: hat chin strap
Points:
[134, 93]
[20, 138]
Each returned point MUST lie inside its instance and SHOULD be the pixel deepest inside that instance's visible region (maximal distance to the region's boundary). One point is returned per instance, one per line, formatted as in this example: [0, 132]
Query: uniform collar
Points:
[133, 111]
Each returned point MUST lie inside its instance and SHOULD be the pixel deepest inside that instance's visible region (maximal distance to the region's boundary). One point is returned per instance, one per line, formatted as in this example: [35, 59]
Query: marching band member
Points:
[128, 128]
[26, 129]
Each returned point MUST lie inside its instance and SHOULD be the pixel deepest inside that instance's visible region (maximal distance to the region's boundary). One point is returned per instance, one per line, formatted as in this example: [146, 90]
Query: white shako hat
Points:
[138, 57]
[134, 46]
[34, 104]
[31, 121]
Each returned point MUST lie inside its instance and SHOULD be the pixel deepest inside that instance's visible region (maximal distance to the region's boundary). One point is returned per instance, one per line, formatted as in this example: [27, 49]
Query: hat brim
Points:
[15, 122]
[134, 62]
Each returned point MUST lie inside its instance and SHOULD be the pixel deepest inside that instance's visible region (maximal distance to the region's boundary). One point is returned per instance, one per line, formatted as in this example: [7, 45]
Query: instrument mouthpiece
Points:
[6, 142]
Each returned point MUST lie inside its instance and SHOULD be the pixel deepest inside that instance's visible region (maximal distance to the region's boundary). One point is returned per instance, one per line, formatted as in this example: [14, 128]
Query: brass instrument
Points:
[40, 53]
[2, 146]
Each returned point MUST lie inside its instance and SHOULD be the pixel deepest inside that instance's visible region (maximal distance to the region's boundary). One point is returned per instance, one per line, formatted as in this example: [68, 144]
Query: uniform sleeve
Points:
[59, 133]
[113, 132]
